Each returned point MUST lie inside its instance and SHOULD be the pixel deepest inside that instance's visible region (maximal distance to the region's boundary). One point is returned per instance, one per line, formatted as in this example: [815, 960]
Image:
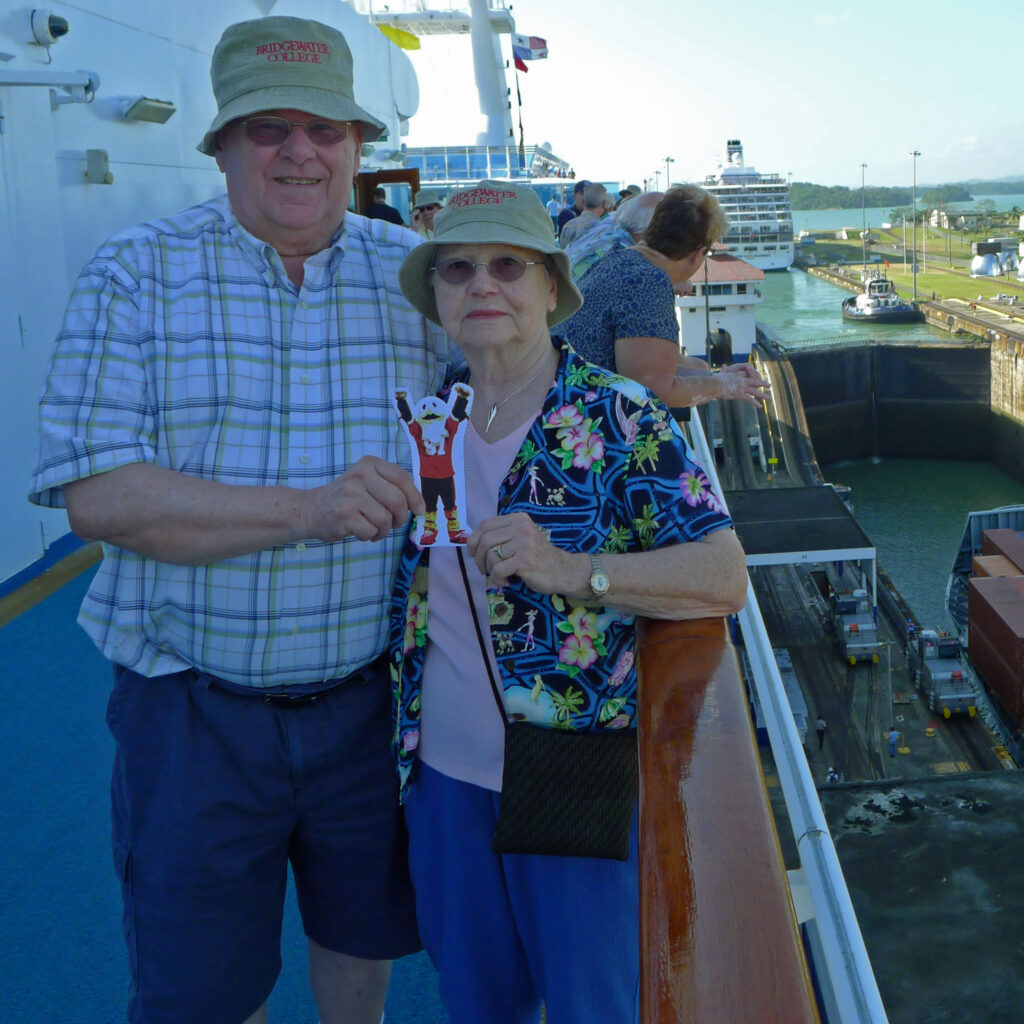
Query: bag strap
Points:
[480, 639]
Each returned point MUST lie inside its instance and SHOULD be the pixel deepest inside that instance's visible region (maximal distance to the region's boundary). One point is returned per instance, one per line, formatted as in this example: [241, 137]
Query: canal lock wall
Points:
[1007, 404]
[942, 401]
[913, 401]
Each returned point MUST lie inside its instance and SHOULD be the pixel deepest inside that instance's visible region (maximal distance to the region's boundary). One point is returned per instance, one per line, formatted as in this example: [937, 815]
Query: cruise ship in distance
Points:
[757, 206]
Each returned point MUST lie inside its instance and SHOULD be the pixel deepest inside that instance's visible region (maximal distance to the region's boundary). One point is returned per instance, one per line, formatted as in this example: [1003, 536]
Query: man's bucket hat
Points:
[491, 213]
[281, 63]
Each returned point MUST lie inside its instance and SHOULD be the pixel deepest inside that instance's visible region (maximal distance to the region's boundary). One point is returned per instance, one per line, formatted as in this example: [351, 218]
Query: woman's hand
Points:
[514, 545]
[741, 381]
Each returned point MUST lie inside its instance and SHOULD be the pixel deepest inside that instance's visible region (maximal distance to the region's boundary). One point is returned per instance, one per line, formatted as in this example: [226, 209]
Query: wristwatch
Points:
[599, 582]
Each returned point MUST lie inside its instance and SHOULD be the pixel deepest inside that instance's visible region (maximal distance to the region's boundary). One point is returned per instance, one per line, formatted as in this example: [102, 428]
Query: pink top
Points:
[461, 731]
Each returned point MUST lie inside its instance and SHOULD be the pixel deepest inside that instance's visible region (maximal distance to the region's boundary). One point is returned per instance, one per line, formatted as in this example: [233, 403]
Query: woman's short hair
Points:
[686, 219]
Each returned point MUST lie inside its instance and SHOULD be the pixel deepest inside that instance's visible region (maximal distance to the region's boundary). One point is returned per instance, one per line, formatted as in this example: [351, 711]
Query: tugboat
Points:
[880, 303]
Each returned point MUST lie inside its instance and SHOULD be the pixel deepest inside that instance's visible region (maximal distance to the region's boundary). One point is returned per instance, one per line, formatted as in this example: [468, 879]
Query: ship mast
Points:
[485, 21]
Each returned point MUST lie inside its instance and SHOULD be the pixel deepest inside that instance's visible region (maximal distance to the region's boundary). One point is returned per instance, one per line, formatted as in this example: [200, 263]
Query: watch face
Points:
[599, 583]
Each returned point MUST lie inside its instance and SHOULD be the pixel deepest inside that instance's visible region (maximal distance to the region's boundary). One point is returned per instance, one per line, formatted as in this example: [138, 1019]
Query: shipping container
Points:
[993, 565]
[1004, 542]
[995, 607]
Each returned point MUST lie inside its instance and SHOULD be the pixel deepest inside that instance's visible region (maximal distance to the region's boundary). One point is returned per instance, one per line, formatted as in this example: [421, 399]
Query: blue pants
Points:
[507, 931]
[213, 794]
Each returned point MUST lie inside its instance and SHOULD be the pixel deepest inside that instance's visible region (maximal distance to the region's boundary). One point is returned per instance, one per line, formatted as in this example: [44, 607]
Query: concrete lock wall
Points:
[1007, 401]
[899, 401]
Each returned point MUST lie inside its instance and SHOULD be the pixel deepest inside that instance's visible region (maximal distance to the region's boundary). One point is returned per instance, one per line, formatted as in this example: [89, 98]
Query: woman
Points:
[574, 477]
[628, 320]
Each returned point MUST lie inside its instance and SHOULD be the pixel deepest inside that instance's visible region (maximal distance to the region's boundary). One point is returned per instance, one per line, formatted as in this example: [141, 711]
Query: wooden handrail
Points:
[719, 939]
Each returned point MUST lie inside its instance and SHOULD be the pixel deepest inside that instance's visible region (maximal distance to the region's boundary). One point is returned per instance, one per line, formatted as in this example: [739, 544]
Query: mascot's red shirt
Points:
[439, 465]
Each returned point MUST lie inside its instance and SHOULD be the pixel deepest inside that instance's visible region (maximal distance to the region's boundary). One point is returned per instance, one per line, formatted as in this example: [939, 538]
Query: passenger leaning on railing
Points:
[513, 655]
[628, 322]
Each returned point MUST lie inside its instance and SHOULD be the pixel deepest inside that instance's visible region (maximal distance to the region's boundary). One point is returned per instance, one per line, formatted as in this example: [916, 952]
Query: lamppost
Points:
[915, 154]
[668, 170]
[863, 222]
[657, 181]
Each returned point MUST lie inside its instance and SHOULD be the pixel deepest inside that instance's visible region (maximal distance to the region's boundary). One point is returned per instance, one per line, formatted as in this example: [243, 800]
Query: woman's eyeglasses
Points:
[272, 131]
[501, 268]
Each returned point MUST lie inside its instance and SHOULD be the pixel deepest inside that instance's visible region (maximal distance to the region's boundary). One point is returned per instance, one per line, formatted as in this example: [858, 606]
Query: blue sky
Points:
[814, 89]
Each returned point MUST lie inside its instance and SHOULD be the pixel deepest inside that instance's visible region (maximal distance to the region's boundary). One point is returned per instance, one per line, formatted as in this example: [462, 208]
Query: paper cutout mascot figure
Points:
[432, 425]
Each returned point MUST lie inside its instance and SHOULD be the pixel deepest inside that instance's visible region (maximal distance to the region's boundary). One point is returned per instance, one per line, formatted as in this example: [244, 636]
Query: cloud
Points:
[829, 20]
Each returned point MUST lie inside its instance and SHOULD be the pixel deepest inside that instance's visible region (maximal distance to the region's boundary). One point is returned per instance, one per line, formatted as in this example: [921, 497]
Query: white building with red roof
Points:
[725, 296]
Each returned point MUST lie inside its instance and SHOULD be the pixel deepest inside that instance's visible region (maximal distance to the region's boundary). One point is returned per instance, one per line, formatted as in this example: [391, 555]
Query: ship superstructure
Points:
[496, 152]
[758, 209]
[721, 309]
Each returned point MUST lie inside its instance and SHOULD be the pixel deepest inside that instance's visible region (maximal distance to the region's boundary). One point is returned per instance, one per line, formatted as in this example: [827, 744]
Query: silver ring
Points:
[497, 550]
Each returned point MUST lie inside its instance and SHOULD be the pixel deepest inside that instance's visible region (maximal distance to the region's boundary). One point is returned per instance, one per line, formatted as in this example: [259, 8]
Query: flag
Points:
[520, 66]
[406, 40]
[529, 47]
[886, 264]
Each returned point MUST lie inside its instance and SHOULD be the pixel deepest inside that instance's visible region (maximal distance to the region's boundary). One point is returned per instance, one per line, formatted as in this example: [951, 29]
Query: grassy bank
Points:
[945, 282]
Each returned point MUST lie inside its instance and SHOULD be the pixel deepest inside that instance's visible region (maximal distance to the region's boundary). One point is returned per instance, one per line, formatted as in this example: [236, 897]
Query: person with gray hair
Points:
[628, 320]
[218, 413]
[625, 227]
[594, 196]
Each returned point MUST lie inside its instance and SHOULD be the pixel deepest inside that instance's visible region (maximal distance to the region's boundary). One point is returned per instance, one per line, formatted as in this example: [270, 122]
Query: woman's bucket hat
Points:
[491, 213]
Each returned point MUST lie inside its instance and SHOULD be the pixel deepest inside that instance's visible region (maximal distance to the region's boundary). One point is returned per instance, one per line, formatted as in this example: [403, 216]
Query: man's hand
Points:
[367, 501]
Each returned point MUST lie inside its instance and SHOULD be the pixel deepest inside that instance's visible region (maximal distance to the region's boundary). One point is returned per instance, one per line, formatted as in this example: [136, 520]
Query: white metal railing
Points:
[845, 977]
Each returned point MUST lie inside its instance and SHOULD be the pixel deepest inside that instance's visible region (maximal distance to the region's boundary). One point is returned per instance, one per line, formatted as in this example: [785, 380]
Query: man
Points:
[219, 413]
[380, 210]
[629, 192]
[893, 737]
[554, 209]
[425, 205]
[820, 726]
[595, 196]
[574, 210]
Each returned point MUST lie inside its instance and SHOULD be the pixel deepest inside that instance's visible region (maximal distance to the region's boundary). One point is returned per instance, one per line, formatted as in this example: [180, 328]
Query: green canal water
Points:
[914, 512]
[912, 509]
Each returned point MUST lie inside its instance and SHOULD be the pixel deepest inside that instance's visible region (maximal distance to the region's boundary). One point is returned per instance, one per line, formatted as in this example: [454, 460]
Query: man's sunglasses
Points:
[501, 268]
[272, 131]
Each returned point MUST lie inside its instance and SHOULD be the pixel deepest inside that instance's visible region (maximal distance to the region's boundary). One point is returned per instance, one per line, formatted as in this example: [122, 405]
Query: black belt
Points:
[284, 699]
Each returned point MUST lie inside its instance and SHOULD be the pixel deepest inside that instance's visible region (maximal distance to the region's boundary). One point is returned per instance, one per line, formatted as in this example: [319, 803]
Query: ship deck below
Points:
[60, 916]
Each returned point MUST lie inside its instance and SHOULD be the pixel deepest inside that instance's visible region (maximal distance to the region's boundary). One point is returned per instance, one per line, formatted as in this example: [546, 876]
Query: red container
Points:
[1004, 542]
[995, 637]
[993, 565]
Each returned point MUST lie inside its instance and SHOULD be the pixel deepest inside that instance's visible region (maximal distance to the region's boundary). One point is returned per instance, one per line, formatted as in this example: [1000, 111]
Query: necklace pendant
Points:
[491, 415]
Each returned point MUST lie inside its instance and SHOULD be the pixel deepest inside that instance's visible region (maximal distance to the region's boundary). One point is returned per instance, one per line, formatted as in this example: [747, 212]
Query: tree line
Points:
[805, 196]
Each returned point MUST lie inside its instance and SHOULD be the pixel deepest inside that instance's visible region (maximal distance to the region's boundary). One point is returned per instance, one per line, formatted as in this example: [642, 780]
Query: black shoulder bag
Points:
[564, 793]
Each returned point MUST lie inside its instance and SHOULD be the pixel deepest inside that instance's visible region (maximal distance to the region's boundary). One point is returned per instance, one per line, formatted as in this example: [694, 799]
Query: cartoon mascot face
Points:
[430, 413]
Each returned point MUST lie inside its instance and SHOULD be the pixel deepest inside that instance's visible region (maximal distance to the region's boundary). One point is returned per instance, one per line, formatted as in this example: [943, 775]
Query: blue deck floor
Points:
[63, 957]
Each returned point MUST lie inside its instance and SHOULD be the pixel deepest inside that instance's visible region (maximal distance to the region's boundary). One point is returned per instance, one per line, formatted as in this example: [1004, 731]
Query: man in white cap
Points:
[218, 412]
